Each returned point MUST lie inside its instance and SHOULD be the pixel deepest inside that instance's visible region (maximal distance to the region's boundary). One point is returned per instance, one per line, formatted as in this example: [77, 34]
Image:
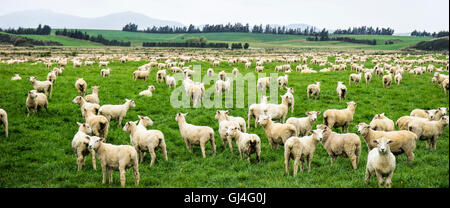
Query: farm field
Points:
[38, 151]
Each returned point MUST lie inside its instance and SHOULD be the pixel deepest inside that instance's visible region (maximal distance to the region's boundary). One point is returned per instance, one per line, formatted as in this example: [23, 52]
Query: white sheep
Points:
[170, 81]
[85, 105]
[301, 149]
[141, 74]
[195, 135]
[93, 98]
[290, 96]
[434, 114]
[42, 86]
[148, 92]
[81, 86]
[356, 78]
[278, 111]
[368, 77]
[428, 130]
[105, 72]
[341, 90]
[445, 85]
[35, 101]
[398, 78]
[222, 75]
[247, 143]
[223, 86]
[259, 68]
[339, 118]
[276, 133]
[282, 81]
[381, 162]
[235, 72]
[98, 123]
[51, 76]
[263, 83]
[4, 120]
[115, 157]
[313, 90]
[80, 144]
[210, 72]
[387, 80]
[116, 112]
[382, 123]
[16, 77]
[304, 124]
[224, 123]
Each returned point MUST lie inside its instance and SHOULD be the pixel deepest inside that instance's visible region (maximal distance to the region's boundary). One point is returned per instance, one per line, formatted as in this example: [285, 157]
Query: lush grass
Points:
[38, 152]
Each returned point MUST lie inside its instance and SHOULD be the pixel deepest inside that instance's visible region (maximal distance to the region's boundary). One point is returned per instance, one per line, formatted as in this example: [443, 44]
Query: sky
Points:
[401, 15]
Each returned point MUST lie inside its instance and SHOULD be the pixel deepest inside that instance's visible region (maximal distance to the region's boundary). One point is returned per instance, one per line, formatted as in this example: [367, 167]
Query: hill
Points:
[438, 44]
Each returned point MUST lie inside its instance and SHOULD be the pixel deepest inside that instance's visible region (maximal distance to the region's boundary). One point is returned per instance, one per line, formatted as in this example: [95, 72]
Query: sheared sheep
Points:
[381, 162]
[105, 72]
[4, 120]
[93, 98]
[276, 133]
[42, 86]
[148, 92]
[313, 90]
[301, 149]
[80, 145]
[195, 135]
[341, 90]
[304, 124]
[81, 86]
[224, 124]
[35, 101]
[428, 130]
[247, 143]
[339, 118]
[382, 123]
[98, 123]
[116, 112]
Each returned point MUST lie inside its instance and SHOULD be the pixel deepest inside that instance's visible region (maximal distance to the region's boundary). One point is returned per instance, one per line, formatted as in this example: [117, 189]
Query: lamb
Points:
[301, 149]
[16, 77]
[263, 83]
[398, 78]
[116, 111]
[247, 65]
[224, 123]
[387, 80]
[259, 68]
[235, 72]
[278, 111]
[35, 101]
[80, 145]
[103, 63]
[368, 77]
[290, 95]
[188, 73]
[313, 90]
[304, 124]
[382, 123]
[42, 86]
[276, 133]
[223, 86]
[115, 157]
[356, 78]
[81, 86]
[344, 145]
[431, 114]
[98, 123]
[148, 92]
[247, 143]
[195, 135]
[93, 98]
[339, 118]
[381, 162]
[196, 92]
[77, 63]
[404, 141]
[282, 81]
[222, 75]
[445, 85]
[256, 110]
[237, 119]
[85, 105]
[105, 72]
[170, 81]
[89, 63]
[210, 72]
[403, 121]
[341, 90]
[4, 120]
[428, 130]
[440, 77]
[141, 75]
[51, 76]
[145, 140]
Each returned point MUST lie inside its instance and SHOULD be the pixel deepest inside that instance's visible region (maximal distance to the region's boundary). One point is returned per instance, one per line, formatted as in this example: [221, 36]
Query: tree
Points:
[246, 45]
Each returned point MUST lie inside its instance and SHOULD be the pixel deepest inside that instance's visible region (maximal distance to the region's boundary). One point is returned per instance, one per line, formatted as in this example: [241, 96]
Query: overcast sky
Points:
[401, 15]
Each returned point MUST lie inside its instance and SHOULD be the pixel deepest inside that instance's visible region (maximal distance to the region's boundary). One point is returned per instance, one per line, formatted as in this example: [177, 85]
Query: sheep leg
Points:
[286, 162]
[367, 179]
[388, 180]
[94, 163]
[122, 175]
[256, 119]
[224, 141]
[28, 110]
[163, 149]
[136, 173]
[202, 146]
[152, 154]
[240, 153]
[433, 142]
[80, 159]
[104, 169]
[110, 175]
[141, 155]
[428, 144]
[380, 178]
[296, 161]
[258, 154]
[248, 156]
[309, 162]
[301, 167]
[354, 161]
[333, 158]
[105, 132]
[120, 121]
[409, 156]
[229, 143]
[213, 145]
[292, 106]
[188, 145]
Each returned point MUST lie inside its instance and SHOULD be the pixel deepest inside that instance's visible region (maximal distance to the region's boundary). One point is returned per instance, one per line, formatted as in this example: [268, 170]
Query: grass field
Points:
[38, 152]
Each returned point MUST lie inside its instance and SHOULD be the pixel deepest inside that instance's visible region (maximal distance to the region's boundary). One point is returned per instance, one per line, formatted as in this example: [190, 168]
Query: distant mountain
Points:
[115, 21]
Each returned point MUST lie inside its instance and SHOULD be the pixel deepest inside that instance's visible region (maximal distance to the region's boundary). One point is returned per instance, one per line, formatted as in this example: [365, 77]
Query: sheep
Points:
[263, 83]
[195, 135]
[387, 80]
[51, 76]
[282, 81]
[339, 118]
[435, 114]
[325, 70]
[58, 71]
[85, 105]
[224, 123]
[247, 143]
[222, 75]
[35, 101]
[98, 123]
[81, 86]
[445, 85]
[105, 72]
[313, 90]
[210, 72]
[235, 72]
[216, 63]
[301, 149]
[42, 86]
[89, 63]
[256, 110]
[344, 145]
[247, 65]
[115, 157]
[404, 141]
[80, 145]
[304, 124]
[278, 111]
[341, 90]
[259, 68]
[237, 119]
[290, 95]
[148, 92]
[356, 78]
[93, 98]
[403, 121]
[223, 86]
[379, 71]
[4, 120]
[77, 63]
[398, 78]
[382, 123]
[16, 77]
[141, 75]
[368, 77]
[381, 162]
[428, 130]
[440, 77]
[276, 133]
[170, 81]
[145, 140]
[196, 92]
[188, 73]
[116, 111]
[103, 63]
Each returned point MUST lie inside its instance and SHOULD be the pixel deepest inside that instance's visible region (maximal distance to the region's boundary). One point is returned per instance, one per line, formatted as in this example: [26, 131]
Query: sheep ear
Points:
[226, 112]
[390, 141]
[308, 113]
[318, 112]
[87, 137]
[426, 111]
[102, 139]
[375, 141]
[79, 124]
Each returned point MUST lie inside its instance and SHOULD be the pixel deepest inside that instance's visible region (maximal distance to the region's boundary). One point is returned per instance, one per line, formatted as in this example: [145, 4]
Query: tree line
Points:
[364, 30]
[45, 30]
[428, 34]
[23, 41]
[78, 34]
[196, 42]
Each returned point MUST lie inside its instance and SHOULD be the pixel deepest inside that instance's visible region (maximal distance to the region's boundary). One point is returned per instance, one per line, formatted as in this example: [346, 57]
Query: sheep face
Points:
[77, 100]
[95, 89]
[363, 128]
[383, 145]
[263, 120]
[221, 115]
[313, 114]
[32, 94]
[146, 121]
[32, 79]
[84, 127]
[128, 126]
[290, 90]
[94, 142]
[351, 105]
[151, 88]
[181, 117]
[232, 131]
[317, 134]
[379, 116]
[132, 104]
[431, 113]
[443, 110]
